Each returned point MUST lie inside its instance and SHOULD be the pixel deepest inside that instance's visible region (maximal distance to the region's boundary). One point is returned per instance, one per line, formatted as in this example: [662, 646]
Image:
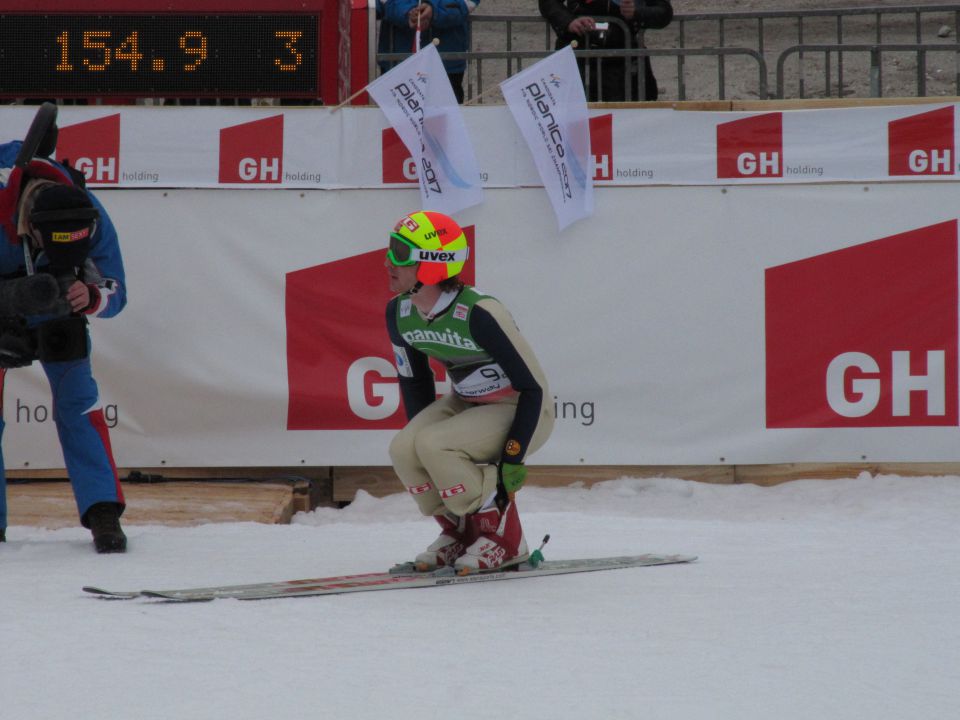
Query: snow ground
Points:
[813, 599]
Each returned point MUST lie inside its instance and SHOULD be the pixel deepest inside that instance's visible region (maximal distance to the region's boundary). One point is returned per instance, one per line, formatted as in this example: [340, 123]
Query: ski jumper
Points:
[498, 408]
[77, 410]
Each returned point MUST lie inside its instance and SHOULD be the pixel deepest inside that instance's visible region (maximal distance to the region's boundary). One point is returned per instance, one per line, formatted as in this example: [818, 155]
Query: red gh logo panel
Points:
[601, 146]
[922, 144]
[866, 336]
[252, 152]
[93, 148]
[751, 147]
[398, 166]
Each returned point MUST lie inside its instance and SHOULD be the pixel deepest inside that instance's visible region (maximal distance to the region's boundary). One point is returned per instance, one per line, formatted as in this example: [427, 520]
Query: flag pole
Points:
[476, 98]
[435, 41]
[416, 40]
[351, 98]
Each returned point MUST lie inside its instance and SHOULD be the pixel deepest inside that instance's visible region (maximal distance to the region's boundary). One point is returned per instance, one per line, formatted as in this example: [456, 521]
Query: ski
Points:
[368, 582]
[229, 591]
[112, 594]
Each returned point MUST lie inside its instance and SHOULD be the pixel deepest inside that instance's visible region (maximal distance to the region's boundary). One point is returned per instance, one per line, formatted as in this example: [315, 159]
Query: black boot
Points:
[3, 534]
[103, 519]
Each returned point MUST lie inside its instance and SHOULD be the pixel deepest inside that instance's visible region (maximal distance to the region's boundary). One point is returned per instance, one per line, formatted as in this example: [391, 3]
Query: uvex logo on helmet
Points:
[438, 256]
[866, 336]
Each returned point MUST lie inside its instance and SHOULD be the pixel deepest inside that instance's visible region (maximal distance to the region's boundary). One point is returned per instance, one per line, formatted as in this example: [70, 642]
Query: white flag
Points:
[549, 105]
[419, 103]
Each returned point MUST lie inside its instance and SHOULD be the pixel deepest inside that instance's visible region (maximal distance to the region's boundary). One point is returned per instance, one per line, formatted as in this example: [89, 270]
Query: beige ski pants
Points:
[447, 454]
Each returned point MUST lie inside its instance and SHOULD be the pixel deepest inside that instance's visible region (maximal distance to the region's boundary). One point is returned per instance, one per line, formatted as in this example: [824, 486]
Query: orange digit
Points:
[130, 50]
[197, 47]
[92, 41]
[63, 40]
[290, 44]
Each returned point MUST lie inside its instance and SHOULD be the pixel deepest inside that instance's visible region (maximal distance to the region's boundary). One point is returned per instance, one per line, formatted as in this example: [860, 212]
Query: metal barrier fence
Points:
[841, 52]
[825, 48]
[516, 58]
[876, 53]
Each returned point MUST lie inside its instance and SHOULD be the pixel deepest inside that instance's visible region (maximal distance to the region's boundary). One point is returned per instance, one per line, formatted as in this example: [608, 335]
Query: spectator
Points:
[448, 21]
[605, 80]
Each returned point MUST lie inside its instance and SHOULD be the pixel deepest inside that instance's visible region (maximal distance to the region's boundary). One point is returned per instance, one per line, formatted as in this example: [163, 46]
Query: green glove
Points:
[512, 476]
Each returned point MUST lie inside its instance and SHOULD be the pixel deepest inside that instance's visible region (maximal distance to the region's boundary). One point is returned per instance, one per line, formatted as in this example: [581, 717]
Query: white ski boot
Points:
[450, 544]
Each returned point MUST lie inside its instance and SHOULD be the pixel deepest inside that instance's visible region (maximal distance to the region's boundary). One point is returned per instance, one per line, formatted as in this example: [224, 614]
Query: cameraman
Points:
[574, 20]
[50, 224]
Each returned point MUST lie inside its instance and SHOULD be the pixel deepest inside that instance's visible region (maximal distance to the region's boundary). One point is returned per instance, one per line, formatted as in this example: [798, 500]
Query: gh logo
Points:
[259, 169]
[866, 336]
[922, 144]
[252, 152]
[751, 147]
[863, 374]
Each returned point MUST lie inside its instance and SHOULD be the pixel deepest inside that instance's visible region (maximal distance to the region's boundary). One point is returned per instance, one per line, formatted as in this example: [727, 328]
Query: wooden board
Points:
[768, 475]
[51, 504]
[207, 497]
[381, 481]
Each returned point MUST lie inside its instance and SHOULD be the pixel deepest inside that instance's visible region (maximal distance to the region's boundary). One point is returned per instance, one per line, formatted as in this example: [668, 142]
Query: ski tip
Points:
[175, 597]
[109, 594]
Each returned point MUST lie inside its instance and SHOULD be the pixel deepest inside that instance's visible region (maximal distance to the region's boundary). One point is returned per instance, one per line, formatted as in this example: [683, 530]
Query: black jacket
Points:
[652, 14]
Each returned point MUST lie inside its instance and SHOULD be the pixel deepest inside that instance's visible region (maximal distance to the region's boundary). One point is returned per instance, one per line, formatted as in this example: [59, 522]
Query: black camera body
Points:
[62, 339]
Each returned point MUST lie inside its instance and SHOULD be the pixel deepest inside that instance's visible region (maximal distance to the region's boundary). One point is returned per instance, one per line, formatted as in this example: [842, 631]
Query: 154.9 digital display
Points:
[175, 55]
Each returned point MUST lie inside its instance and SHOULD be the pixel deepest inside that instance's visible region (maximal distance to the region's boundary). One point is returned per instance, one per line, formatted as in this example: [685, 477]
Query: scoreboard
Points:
[203, 48]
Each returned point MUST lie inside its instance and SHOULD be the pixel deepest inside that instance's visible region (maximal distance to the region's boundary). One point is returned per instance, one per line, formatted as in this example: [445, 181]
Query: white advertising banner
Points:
[301, 148]
[548, 102]
[702, 325]
[752, 288]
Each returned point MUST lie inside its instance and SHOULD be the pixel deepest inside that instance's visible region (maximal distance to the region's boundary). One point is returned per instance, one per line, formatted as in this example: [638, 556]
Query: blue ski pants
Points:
[84, 436]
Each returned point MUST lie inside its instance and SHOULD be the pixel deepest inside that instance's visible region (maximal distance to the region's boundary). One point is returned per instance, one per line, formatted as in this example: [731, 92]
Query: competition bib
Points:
[488, 383]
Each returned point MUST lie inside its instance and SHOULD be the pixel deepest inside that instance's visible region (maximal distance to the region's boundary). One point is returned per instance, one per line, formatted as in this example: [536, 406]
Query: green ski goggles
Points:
[400, 251]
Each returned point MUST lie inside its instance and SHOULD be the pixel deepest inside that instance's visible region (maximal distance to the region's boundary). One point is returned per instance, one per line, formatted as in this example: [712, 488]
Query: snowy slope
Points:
[813, 599]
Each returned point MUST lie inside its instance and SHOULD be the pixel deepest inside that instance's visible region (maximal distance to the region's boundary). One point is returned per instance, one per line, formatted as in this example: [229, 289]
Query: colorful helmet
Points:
[432, 239]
